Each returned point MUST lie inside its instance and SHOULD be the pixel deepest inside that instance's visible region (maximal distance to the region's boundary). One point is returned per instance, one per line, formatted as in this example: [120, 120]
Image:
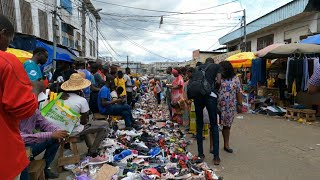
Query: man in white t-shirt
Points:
[79, 104]
[129, 86]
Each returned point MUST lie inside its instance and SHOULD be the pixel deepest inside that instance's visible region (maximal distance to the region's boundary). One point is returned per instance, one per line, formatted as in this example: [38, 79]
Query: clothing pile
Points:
[156, 151]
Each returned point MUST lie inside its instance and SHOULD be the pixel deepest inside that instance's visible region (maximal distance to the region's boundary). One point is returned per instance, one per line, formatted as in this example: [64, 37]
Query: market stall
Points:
[292, 66]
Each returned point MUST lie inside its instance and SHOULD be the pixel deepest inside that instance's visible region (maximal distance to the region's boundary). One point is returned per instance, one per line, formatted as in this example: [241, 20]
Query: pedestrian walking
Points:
[177, 96]
[209, 100]
[169, 81]
[229, 99]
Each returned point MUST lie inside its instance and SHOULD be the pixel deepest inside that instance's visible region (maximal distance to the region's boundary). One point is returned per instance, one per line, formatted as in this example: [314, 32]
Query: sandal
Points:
[229, 150]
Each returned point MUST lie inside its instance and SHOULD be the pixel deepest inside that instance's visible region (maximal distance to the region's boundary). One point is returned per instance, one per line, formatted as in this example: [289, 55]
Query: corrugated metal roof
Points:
[290, 9]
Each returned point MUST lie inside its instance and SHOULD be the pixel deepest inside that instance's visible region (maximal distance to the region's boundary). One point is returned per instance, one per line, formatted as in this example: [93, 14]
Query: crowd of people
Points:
[223, 101]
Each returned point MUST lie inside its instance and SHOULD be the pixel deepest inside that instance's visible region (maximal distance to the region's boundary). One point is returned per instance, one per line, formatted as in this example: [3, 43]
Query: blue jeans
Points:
[51, 147]
[211, 104]
[123, 110]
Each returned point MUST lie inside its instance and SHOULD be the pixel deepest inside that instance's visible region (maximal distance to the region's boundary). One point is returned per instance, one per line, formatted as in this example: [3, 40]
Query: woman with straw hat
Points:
[72, 98]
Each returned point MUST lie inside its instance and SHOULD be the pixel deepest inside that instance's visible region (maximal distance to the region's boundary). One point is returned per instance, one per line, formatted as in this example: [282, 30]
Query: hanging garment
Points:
[294, 89]
[305, 77]
[258, 72]
[316, 64]
[288, 68]
[310, 66]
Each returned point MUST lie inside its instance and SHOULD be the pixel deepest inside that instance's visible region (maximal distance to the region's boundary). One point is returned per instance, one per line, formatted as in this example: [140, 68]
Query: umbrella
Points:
[266, 50]
[286, 50]
[243, 59]
[20, 54]
[312, 40]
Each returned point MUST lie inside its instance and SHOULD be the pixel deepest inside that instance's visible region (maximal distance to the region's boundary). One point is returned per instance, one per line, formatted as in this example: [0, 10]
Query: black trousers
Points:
[129, 98]
[159, 98]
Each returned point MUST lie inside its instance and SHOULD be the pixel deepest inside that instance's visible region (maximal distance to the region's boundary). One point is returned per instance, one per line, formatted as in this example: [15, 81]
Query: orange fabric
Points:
[17, 102]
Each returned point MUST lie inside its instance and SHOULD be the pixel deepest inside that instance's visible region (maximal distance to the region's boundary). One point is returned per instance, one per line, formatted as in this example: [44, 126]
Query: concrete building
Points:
[201, 56]
[36, 18]
[287, 24]
[162, 66]
[135, 67]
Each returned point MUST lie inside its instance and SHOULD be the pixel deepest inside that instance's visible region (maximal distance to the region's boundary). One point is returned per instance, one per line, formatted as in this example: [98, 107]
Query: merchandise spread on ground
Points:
[156, 151]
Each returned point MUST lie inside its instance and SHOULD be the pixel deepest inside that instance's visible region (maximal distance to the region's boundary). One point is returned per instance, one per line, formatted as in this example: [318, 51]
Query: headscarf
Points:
[175, 72]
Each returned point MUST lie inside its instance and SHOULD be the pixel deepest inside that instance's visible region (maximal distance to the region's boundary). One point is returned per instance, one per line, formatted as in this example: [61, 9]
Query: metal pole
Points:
[83, 13]
[245, 29]
[97, 38]
[54, 28]
[127, 61]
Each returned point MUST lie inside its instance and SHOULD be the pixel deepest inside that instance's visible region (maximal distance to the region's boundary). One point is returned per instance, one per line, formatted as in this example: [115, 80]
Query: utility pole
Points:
[83, 14]
[245, 29]
[127, 61]
[97, 38]
[54, 28]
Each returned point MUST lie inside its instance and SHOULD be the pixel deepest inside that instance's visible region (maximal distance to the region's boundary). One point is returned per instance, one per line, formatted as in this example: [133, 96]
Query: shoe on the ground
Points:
[195, 169]
[50, 175]
[216, 161]
[229, 150]
[183, 175]
[98, 160]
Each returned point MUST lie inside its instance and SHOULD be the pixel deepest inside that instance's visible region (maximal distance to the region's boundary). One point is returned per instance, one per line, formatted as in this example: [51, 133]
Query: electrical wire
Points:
[170, 12]
[226, 33]
[136, 44]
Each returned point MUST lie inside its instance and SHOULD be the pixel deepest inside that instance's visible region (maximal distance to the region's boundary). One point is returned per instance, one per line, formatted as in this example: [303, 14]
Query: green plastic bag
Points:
[60, 114]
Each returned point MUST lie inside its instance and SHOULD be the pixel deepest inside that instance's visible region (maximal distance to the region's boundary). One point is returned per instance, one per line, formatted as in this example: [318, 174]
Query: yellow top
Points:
[121, 82]
[137, 83]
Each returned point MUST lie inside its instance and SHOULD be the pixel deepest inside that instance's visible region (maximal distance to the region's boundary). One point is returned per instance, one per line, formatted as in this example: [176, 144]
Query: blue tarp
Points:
[49, 48]
[312, 40]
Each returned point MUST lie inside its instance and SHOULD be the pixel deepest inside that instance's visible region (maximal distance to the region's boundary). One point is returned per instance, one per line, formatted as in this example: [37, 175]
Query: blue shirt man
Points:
[106, 94]
[32, 66]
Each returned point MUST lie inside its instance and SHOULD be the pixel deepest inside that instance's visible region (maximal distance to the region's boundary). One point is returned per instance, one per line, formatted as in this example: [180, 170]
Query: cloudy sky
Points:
[136, 32]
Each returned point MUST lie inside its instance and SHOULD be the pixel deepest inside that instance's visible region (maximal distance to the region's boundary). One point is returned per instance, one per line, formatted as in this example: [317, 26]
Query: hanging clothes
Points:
[316, 63]
[258, 72]
[305, 77]
[295, 73]
[288, 68]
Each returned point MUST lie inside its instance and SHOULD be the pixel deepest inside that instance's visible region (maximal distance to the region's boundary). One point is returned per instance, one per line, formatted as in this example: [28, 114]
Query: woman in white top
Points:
[73, 97]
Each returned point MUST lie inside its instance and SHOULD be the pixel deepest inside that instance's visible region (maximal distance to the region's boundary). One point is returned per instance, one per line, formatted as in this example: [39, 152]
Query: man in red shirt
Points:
[17, 101]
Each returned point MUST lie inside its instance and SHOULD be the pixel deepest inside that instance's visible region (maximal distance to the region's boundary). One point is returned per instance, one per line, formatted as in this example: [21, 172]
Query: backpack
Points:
[198, 85]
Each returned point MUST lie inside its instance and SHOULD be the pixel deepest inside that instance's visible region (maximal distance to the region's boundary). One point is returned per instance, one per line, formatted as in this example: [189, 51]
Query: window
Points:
[71, 43]
[287, 41]
[43, 24]
[248, 46]
[303, 37]
[65, 41]
[264, 41]
[94, 49]
[90, 42]
[67, 28]
[67, 5]
[8, 8]
[91, 25]
[26, 18]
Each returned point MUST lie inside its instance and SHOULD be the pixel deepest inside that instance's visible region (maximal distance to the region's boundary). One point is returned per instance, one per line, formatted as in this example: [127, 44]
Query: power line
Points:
[183, 34]
[170, 12]
[227, 33]
[136, 44]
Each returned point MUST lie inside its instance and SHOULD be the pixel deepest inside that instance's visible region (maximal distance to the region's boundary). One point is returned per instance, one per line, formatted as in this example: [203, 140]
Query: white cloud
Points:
[163, 41]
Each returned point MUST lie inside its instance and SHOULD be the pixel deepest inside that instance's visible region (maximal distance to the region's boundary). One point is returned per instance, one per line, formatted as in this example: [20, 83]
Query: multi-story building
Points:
[135, 67]
[287, 24]
[76, 22]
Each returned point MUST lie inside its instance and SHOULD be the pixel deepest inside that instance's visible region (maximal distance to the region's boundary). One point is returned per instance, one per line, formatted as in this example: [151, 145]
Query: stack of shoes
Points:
[156, 150]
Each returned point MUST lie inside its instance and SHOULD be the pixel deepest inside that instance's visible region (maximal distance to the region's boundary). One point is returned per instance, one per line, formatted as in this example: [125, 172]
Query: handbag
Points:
[60, 114]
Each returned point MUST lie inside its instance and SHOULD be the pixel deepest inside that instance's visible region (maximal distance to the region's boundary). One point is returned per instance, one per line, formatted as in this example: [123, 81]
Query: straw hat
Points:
[75, 83]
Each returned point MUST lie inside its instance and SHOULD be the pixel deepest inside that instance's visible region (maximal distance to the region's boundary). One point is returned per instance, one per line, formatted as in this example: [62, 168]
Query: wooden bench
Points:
[308, 114]
[36, 169]
[74, 159]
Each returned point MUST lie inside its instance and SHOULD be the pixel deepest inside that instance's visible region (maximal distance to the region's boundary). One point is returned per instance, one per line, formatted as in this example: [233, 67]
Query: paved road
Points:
[269, 149]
